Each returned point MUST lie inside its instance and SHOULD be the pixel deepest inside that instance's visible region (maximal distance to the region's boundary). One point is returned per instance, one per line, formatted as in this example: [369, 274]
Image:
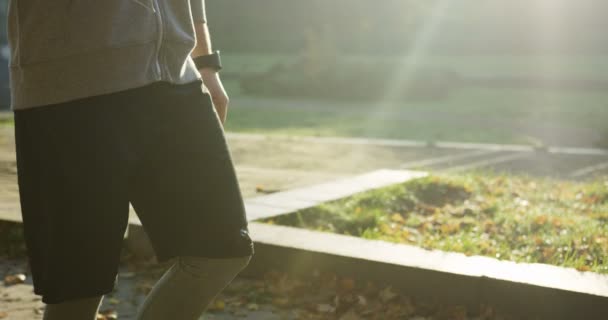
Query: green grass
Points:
[517, 218]
[7, 122]
[474, 115]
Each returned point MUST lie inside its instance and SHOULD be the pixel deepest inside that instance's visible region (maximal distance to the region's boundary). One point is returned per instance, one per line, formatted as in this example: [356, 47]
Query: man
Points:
[119, 101]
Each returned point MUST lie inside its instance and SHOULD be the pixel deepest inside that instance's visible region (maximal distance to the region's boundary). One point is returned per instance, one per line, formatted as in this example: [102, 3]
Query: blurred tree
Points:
[391, 26]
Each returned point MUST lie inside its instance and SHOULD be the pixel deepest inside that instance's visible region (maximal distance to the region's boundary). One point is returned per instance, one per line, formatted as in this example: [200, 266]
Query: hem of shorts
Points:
[164, 257]
[56, 299]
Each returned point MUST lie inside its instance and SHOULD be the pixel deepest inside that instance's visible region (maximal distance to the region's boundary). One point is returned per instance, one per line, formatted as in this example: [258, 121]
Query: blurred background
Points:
[521, 71]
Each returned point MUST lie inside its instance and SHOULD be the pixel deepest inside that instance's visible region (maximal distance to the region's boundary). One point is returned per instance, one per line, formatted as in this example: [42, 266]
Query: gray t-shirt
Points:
[62, 50]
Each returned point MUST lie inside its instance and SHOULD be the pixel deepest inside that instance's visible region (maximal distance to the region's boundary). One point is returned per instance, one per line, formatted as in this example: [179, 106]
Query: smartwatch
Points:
[209, 61]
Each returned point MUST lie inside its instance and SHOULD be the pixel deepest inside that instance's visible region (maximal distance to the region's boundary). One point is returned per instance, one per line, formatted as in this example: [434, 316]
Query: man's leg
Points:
[185, 191]
[73, 187]
[186, 289]
[80, 309]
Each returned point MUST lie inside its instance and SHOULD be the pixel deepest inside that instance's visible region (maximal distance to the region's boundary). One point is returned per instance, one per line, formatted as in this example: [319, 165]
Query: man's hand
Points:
[211, 78]
[203, 47]
[212, 81]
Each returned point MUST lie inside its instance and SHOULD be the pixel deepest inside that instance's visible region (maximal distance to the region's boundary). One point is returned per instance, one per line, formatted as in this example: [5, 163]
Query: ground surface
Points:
[276, 296]
[270, 164]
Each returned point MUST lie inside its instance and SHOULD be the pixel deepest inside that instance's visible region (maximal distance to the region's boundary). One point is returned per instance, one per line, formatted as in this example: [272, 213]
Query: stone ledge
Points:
[532, 290]
[301, 198]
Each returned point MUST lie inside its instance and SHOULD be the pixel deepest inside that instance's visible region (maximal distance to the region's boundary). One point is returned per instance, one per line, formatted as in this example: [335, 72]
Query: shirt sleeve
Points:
[198, 10]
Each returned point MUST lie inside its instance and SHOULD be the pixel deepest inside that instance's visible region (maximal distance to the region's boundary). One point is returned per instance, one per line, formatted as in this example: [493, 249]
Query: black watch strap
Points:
[209, 61]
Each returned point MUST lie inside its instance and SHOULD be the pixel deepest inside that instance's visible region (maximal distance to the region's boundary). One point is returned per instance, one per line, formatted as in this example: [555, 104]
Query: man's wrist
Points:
[209, 61]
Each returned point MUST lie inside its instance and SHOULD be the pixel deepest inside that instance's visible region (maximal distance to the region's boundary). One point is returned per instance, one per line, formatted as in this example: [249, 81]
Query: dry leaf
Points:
[347, 284]
[14, 279]
[217, 305]
[108, 314]
[386, 294]
[397, 218]
[361, 300]
[263, 189]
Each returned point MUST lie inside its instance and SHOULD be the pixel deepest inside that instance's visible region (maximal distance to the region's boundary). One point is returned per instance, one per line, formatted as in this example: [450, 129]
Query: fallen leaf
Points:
[540, 220]
[109, 314]
[3, 314]
[386, 294]
[397, 218]
[217, 305]
[253, 307]
[14, 279]
[361, 300]
[583, 268]
[262, 189]
[347, 284]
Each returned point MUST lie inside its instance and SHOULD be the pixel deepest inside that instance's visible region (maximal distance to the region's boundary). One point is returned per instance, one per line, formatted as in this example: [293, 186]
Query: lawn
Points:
[516, 218]
[473, 113]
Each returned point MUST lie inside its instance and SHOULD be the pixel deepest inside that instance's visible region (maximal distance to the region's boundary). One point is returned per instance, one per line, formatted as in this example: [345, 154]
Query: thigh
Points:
[73, 198]
[185, 190]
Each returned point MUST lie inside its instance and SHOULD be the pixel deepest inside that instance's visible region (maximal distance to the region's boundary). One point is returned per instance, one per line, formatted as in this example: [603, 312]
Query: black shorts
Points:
[160, 147]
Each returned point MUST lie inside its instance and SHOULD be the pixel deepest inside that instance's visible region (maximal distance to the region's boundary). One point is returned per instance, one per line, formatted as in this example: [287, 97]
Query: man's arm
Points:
[210, 77]
[203, 40]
